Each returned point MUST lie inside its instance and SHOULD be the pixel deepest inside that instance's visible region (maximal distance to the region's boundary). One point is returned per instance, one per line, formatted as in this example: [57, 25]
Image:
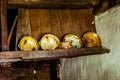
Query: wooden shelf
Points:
[13, 56]
[36, 22]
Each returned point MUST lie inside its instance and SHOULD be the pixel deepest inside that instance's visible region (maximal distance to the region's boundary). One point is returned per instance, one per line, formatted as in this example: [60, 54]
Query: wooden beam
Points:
[4, 30]
[52, 3]
[105, 5]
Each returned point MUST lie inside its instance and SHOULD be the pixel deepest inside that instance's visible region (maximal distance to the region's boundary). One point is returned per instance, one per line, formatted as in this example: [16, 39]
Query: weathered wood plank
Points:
[35, 21]
[45, 21]
[55, 22]
[16, 74]
[23, 25]
[65, 22]
[52, 54]
[74, 4]
[43, 70]
[40, 68]
[4, 31]
[83, 20]
[75, 23]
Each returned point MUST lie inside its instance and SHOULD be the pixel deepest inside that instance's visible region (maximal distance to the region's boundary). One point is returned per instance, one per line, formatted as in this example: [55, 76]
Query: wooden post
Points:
[4, 31]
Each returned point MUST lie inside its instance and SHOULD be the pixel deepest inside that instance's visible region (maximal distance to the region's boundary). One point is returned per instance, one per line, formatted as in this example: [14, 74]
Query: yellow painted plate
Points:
[28, 43]
[49, 42]
[91, 39]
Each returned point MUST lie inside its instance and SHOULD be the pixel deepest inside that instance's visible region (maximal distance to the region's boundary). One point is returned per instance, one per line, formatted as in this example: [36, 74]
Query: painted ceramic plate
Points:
[75, 40]
[49, 42]
[91, 39]
[28, 43]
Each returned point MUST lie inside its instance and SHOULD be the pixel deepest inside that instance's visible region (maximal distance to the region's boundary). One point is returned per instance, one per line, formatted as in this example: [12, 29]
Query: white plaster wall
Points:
[98, 67]
[108, 27]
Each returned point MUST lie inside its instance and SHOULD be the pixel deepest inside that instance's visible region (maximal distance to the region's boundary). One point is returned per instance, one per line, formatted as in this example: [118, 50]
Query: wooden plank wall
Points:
[37, 22]
[98, 67]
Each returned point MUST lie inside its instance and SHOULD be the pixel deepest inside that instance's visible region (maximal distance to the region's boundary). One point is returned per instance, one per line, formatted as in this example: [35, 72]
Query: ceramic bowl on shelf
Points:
[75, 40]
[91, 39]
[28, 43]
[49, 42]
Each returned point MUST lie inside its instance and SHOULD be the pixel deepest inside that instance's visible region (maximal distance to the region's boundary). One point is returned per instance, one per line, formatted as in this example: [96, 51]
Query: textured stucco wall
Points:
[98, 67]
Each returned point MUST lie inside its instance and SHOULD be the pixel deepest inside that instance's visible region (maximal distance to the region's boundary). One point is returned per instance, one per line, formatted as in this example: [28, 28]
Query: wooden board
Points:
[73, 4]
[51, 54]
[55, 22]
[16, 74]
[35, 24]
[23, 26]
[40, 68]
